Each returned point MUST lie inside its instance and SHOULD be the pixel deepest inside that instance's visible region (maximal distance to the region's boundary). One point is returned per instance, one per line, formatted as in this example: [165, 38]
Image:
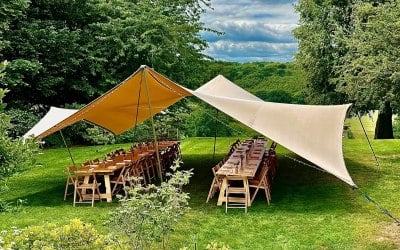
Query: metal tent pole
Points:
[369, 142]
[215, 132]
[65, 143]
[152, 124]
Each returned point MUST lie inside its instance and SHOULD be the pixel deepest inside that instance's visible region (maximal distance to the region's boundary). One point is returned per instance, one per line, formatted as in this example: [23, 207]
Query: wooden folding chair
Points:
[273, 147]
[216, 182]
[119, 158]
[120, 180]
[236, 196]
[139, 170]
[90, 183]
[134, 175]
[70, 179]
[260, 181]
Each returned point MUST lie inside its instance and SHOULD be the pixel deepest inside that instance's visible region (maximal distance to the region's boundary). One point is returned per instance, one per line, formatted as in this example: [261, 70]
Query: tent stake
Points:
[370, 146]
[152, 124]
[65, 143]
[215, 132]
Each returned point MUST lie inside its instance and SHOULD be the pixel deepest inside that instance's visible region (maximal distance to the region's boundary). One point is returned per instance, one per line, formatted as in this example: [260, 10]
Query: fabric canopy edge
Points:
[345, 107]
[56, 127]
[80, 115]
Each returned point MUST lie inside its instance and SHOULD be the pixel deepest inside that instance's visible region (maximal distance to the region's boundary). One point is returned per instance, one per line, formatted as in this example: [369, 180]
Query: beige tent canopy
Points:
[127, 104]
[313, 132]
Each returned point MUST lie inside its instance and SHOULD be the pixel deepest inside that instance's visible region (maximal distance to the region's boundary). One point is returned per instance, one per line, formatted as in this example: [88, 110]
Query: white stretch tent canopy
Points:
[53, 117]
[313, 132]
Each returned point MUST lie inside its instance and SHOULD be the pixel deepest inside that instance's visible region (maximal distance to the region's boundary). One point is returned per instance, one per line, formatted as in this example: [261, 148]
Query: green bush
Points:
[75, 235]
[14, 153]
[21, 121]
[147, 215]
[141, 133]
[11, 207]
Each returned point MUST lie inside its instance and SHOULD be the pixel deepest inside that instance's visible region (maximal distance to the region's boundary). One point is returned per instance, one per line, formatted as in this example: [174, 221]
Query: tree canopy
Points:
[349, 51]
[74, 50]
[370, 72]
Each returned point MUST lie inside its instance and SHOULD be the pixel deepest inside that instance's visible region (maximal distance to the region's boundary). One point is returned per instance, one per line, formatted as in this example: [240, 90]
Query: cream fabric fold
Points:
[313, 132]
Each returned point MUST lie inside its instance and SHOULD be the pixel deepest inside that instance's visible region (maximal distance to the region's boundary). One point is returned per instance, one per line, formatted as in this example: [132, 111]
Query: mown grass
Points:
[357, 129]
[309, 209]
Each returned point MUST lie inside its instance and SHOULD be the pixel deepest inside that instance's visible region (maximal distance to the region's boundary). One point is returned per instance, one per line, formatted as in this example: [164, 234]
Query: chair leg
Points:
[254, 195]
[93, 193]
[75, 190]
[211, 191]
[66, 191]
[267, 192]
[226, 200]
[114, 188]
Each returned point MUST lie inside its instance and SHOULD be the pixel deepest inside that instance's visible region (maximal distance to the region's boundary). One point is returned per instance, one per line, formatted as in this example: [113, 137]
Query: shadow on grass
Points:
[297, 188]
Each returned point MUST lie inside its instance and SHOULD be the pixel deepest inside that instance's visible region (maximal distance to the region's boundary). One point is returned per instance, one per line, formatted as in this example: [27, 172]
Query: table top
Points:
[246, 166]
[108, 167]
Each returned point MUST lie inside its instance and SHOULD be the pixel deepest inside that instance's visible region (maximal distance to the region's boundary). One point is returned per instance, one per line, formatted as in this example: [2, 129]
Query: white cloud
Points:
[253, 30]
[251, 51]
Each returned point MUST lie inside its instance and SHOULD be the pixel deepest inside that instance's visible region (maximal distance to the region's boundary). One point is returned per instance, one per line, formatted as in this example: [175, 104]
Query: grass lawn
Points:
[309, 209]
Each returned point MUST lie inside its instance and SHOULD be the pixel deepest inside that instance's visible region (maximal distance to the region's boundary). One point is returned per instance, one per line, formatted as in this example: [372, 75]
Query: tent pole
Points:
[369, 142]
[65, 143]
[215, 132]
[153, 126]
[137, 111]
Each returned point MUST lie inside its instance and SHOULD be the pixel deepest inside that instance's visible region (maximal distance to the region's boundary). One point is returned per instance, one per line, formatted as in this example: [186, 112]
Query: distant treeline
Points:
[270, 81]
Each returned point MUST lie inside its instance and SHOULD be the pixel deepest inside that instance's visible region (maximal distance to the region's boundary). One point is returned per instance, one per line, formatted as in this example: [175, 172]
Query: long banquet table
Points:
[110, 167]
[243, 162]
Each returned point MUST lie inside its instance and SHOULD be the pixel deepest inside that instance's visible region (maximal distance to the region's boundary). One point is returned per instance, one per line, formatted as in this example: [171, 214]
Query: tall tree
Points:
[74, 50]
[319, 49]
[370, 73]
[325, 27]
[10, 10]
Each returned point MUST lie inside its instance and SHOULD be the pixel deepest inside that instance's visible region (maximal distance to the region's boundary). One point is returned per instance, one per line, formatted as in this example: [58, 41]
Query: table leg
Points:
[86, 181]
[246, 186]
[221, 197]
[108, 194]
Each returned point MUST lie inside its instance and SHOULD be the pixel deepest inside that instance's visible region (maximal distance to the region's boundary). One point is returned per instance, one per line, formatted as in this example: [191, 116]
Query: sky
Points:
[254, 30]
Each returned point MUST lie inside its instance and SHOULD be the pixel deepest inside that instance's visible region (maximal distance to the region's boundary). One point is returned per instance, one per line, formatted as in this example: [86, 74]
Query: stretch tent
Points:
[53, 117]
[127, 104]
[313, 132]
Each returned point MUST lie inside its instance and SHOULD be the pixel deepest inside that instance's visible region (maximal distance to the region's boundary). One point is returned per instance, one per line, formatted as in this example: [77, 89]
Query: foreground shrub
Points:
[147, 215]
[14, 153]
[75, 235]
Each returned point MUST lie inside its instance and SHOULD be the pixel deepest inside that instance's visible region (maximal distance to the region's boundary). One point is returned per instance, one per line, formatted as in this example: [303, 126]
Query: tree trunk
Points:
[384, 128]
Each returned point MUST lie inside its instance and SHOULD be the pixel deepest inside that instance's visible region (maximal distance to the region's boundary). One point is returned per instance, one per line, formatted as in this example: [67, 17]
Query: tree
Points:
[370, 73]
[9, 10]
[320, 49]
[14, 153]
[325, 52]
[74, 50]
